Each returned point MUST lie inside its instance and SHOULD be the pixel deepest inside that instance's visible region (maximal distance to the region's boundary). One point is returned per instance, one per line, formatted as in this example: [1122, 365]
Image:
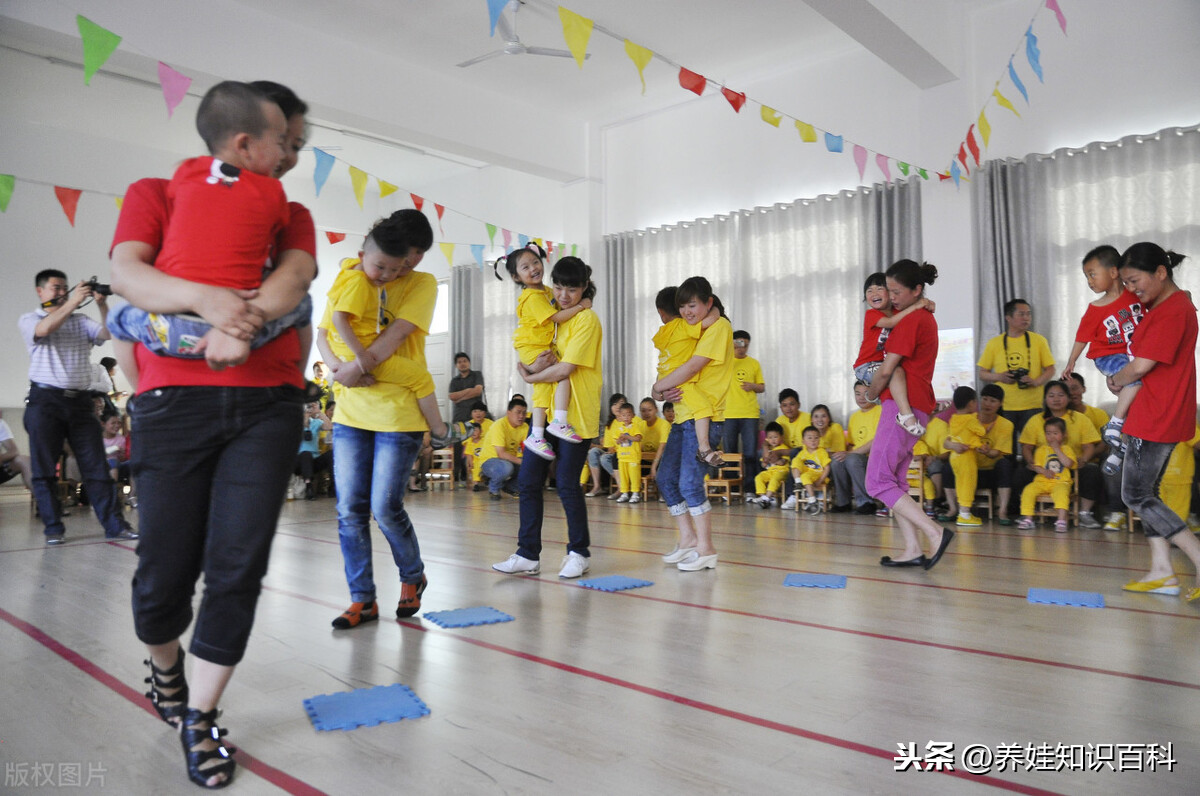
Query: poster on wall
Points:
[955, 363]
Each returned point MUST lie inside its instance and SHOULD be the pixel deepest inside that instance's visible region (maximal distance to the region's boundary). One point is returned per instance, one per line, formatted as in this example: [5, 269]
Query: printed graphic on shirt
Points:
[1053, 465]
[883, 336]
[1119, 326]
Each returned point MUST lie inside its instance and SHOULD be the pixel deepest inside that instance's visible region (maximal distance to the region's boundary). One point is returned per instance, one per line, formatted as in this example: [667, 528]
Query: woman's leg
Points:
[668, 485]
[571, 455]
[691, 487]
[887, 480]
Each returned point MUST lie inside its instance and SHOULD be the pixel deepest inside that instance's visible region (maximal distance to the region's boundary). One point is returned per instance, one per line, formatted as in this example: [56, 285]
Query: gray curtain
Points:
[466, 316]
[1035, 219]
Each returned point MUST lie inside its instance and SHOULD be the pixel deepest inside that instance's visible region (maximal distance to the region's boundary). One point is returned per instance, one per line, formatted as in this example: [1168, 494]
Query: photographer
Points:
[1020, 362]
[60, 403]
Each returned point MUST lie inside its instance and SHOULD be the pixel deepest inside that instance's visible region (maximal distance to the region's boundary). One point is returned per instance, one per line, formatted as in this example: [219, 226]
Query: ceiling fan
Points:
[512, 44]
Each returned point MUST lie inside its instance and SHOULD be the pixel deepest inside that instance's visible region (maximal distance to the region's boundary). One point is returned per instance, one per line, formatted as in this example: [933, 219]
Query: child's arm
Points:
[341, 322]
[890, 322]
[222, 351]
[1076, 350]
[1067, 461]
[562, 316]
[287, 284]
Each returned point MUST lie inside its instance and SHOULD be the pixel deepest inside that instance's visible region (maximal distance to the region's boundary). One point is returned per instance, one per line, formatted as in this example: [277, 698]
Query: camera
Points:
[1018, 374]
[99, 288]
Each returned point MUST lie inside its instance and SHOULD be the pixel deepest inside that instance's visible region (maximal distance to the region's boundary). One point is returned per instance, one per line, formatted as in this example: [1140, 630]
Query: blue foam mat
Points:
[815, 581]
[465, 617]
[1082, 599]
[364, 707]
[614, 583]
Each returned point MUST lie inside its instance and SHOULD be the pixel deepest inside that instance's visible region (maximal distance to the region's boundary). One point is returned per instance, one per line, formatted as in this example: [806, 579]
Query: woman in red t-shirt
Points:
[913, 345]
[1164, 411]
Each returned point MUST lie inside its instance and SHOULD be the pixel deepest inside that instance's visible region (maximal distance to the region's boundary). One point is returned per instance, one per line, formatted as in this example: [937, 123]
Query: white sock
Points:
[560, 416]
[964, 512]
[537, 432]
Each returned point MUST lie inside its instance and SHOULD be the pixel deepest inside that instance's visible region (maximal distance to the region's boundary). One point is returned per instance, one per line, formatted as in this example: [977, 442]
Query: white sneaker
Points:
[518, 565]
[789, 504]
[624, 498]
[677, 555]
[751, 498]
[634, 497]
[574, 565]
[540, 447]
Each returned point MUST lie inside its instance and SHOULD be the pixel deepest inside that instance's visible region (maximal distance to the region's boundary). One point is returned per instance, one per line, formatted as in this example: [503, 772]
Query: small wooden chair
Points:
[1044, 505]
[824, 496]
[649, 488]
[441, 468]
[728, 482]
[983, 499]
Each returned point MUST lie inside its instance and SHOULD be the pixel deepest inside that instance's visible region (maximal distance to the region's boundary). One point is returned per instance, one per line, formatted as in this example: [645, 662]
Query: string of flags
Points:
[478, 250]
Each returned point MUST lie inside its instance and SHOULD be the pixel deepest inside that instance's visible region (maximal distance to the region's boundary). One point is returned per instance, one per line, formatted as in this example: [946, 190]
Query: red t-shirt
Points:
[145, 215]
[916, 339]
[1107, 330]
[1165, 408]
[873, 339]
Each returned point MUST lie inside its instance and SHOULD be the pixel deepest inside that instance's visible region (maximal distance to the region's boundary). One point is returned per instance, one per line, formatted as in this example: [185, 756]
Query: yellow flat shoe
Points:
[1160, 586]
[1194, 594]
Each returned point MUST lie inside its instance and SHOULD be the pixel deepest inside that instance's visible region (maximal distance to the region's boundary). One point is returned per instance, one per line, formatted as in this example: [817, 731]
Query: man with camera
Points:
[59, 407]
[1020, 362]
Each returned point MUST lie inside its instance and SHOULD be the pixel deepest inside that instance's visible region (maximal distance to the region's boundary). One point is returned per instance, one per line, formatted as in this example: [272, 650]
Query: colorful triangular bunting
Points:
[323, 167]
[808, 133]
[98, 45]
[691, 81]
[335, 237]
[174, 86]
[386, 188]
[736, 98]
[7, 183]
[640, 57]
[69, 199]
[576, 30]
[358, 180]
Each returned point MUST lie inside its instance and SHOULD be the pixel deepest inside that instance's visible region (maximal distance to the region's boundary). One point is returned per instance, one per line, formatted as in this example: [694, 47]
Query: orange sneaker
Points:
[357, 614]
[410, 598]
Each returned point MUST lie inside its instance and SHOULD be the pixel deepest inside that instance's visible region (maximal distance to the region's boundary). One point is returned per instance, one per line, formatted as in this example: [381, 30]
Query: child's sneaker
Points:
[1112, 434]
[1112, 464]
[930, 511]
[968, 521]
[539, 447]
[1060, 526]
[624, 498]
[454, 435]
[789, 504]
[1116, 522]
[1025, 524]
[751, 498]
[564, 431]
[811, 506]
[634, 497]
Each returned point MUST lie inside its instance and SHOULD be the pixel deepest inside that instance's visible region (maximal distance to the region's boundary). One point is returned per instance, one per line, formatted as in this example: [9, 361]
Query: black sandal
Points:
[194, 732]
[170, 707]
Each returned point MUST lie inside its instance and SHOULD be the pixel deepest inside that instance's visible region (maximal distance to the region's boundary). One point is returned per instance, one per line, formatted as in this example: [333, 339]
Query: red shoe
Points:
[410, 598]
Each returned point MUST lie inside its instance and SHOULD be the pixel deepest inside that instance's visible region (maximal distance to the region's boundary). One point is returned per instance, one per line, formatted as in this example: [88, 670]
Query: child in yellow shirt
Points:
[966, 435]
[810, 468]
[676, 342]
[355, 317]
[917, 477]
[537, 320]
[772, 476]
[627, 437]
[472, 450]
[1052, 462]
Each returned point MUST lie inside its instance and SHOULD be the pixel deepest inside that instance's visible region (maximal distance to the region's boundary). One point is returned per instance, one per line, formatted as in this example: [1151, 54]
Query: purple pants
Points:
[891, 453]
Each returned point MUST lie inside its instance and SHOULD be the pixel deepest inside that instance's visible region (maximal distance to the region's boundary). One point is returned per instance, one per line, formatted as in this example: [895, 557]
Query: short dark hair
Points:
[788, 392]
[516, 401]
[230, 108]
[741, 334]
[401, 231]
[1079, 378]
[1106, 255]
[1011, 305]
[665, 301]
[773, 428]
[647, 401]
[282, 96]
[479, 405]
[668, 405]
[108, 363]
[813, 429]
[46, 275]
[993, 391]
[1055, 422]
[625, 406]
[963, 396]
[461, 355]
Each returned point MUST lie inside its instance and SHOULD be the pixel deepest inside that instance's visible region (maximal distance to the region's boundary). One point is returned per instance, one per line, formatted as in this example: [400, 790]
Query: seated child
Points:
[472, 450]
[231, 206]
[966, 435]
[627, 433]
[354, 317]
[1052, 462]
[810, 468]
[772, 476]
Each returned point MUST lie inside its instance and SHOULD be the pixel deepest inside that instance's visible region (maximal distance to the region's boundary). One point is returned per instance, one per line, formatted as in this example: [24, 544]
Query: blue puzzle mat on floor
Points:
[465, 617]
[815, 581]
[1083, 599]
[614, 583]
[364, 707]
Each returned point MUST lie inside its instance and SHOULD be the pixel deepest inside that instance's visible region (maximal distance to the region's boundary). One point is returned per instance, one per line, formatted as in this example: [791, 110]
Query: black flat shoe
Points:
[947, 535]
[919, 561]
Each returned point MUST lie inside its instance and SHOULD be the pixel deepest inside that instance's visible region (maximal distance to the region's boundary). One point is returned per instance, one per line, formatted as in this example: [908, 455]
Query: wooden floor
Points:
[710, 682]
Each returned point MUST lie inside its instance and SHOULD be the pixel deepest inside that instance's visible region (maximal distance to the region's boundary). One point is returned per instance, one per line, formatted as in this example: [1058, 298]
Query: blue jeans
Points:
[370, 471]
[50, 419]
[531, 479]
[501, 474]
[212, 465]
[680, 473]
[741, 436]
[1142, 471]
[596, 457]
[177, 335]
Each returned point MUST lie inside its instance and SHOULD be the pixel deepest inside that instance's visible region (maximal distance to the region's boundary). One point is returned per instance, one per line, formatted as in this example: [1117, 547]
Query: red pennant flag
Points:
[441, 210]
[943, 177]
[692, 81]
[69, 199]
[972, 144]
[335, 237]
[962, 157]
[418, 202]
[549, 248]
[736, 98]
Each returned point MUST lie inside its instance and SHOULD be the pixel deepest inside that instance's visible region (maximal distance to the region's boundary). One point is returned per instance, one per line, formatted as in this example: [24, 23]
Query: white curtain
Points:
[791, 275]
[1036, 218]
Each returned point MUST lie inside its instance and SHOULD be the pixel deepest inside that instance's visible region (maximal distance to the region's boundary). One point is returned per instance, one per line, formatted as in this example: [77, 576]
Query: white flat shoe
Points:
[677, 555]
[694, 562]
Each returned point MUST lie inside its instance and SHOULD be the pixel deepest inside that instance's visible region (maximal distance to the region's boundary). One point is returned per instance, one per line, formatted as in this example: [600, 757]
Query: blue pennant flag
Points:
[1033, 54]
[324, 166]
[955, 172]
[523, 240]
[477, 253]
[1012, 75]
[833, 142]
[494, 9]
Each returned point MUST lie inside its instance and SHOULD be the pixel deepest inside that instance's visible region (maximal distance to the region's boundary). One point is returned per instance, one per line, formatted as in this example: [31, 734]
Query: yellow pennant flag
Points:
[576, 30]
[120, 200]
[808, 133]
[640, 57]
[448, 252]
[771, 116]
[985, 129]
[358, 178]
[1003, 100]
[386, 188]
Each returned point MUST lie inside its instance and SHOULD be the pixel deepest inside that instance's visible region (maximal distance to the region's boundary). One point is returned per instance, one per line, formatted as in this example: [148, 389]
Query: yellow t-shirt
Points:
[534, 332]
[712, 382]
[967, 429]
[502, 435]
[631, 452]
[1181, 467]
[476, 450]
[1080, 431]
[1035, 358]
[578, 342]
[353, 294]
[782, 464]
[936, 431]
[863, 425]
[675, 341]
[834, 438]
[1097, 415]
[793, 430]
[811, 460]
[385, 406]
[485, 425]
[1045, 456]
[741, 403]
[655, 435]
[1000, 437]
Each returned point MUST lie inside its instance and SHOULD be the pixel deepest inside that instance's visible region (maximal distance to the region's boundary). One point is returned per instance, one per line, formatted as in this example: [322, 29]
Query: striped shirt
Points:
[63, 357]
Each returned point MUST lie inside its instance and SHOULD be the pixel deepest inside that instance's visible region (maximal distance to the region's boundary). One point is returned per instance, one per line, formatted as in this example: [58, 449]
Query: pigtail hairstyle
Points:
[513, 259]
[573, 272]
[1148, 257]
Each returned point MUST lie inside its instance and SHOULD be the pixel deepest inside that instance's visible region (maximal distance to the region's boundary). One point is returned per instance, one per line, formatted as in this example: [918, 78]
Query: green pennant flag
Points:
[7, 181]
[491, 228]
[574, 249]
[924, 174]
[98, 44]
[903, 168]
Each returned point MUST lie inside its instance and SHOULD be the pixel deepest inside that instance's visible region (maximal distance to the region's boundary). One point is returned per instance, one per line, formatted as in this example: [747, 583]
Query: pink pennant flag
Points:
[335, 237]
[736, 98]
[69, 199]
[417, 201]
[441, 211]
[860, 159]
[692, 81]
[174, 86]
[1062, 20]
[972, 144]
[882, 162]
[507, 238]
